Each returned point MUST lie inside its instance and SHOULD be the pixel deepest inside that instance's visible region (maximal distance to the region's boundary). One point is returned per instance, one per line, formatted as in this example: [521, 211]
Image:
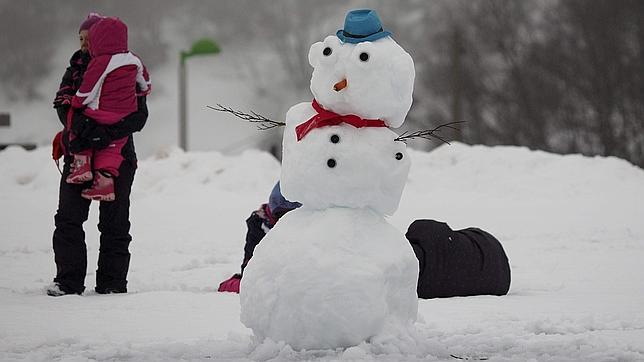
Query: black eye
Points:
[335, 138]
[364, 57]
[327, 51]
[330, 162]
[399, 156]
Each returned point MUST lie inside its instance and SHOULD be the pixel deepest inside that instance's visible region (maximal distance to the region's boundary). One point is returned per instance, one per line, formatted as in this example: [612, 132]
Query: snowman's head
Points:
[371, 79]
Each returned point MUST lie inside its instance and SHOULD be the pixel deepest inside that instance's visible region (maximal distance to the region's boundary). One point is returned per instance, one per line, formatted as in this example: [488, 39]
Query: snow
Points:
[571, 226]
[350, 276]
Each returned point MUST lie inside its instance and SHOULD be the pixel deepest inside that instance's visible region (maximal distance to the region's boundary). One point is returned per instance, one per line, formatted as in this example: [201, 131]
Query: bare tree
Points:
[563, 76]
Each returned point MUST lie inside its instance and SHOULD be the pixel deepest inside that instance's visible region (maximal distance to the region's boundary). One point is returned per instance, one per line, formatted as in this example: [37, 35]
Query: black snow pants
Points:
[458, 262]
[70, 251]
[254, 234]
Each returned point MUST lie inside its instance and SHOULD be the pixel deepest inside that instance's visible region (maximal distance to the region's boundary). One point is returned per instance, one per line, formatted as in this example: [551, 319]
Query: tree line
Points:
[561, 76]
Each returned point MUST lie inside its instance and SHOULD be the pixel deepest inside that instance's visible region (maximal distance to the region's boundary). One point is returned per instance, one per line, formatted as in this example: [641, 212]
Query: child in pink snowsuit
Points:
[108, 93]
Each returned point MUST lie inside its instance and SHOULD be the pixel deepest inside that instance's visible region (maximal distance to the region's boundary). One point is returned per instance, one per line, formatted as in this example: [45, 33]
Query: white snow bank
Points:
[571, 226]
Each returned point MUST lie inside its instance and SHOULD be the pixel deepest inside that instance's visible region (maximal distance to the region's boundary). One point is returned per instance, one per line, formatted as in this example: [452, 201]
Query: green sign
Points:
[201, 47]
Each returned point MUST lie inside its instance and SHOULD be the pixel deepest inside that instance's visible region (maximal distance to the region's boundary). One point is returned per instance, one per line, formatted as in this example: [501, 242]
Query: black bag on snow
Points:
[458, 262]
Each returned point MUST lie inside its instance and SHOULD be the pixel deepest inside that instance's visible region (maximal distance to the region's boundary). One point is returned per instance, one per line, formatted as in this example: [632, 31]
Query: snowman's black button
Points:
[364, 57]
[335, 138]
[330, 162]
[399, 156]
[327, 51]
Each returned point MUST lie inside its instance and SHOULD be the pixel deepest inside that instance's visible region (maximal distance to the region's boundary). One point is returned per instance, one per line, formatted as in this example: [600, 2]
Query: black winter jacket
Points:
[458, 262]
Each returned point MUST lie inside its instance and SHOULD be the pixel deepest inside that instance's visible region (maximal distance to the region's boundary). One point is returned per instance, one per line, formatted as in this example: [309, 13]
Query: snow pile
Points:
[332, 284]
[571, 226]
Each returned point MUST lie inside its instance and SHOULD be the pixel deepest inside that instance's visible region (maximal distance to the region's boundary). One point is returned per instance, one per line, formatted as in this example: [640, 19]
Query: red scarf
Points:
[325, 118]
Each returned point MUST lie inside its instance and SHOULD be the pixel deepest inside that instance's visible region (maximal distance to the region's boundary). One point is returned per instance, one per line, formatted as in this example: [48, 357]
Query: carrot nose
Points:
[340, 85]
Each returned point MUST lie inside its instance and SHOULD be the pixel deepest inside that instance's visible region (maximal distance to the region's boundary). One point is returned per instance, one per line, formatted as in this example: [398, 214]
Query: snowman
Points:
[335, 273]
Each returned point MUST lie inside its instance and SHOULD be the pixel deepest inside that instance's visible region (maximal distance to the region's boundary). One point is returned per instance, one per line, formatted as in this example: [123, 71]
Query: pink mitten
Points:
[231, 284]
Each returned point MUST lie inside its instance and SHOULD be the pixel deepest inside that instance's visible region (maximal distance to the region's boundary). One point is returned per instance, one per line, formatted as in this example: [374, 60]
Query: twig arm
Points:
[429, 134]
[263, 123]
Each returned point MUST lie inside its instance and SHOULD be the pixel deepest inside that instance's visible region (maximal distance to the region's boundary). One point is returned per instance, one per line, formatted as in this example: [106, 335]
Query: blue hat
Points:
[361, 25]
[278, 203]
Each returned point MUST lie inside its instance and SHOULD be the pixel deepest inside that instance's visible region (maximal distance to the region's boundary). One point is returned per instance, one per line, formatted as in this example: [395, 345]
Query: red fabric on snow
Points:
[230, 285]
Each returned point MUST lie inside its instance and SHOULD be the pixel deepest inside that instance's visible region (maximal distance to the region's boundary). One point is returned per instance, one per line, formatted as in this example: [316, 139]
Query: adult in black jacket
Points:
[70, 252]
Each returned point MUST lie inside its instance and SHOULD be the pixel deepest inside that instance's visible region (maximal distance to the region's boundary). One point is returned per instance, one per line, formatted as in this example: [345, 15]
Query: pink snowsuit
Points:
[109, 86]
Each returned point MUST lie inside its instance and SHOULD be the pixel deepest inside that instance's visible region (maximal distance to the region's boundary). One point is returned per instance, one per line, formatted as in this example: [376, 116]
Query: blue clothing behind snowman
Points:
[263, 219]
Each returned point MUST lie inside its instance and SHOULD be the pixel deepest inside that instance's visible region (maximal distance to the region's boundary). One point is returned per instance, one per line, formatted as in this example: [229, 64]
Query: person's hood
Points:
[278, 204]
[108, 37]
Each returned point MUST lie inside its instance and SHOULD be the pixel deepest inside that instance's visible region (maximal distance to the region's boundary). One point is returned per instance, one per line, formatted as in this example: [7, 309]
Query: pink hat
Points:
[92, 19]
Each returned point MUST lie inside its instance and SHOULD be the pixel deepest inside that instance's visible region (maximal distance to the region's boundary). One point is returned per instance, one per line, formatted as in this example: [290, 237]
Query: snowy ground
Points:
[572, 228]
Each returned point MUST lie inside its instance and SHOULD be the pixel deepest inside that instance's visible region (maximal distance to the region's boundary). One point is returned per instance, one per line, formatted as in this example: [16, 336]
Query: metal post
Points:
[183, 123]
[202, 47]
[457, 50]
[5, 120]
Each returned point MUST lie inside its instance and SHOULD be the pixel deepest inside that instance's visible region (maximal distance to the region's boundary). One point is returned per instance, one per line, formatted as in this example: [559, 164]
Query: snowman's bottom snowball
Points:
[329, 278]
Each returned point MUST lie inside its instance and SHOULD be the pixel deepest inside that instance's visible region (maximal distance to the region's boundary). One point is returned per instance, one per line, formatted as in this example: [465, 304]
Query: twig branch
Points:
[429, 134]
[262, 122]
[469, 358]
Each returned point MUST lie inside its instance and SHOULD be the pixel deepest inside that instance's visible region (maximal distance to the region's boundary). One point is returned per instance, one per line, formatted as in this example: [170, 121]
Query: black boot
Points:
[110, 290]
[58, 290]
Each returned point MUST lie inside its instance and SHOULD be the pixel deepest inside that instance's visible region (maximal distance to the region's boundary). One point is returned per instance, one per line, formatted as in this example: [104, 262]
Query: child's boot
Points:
[102, 189]
[80, 170]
